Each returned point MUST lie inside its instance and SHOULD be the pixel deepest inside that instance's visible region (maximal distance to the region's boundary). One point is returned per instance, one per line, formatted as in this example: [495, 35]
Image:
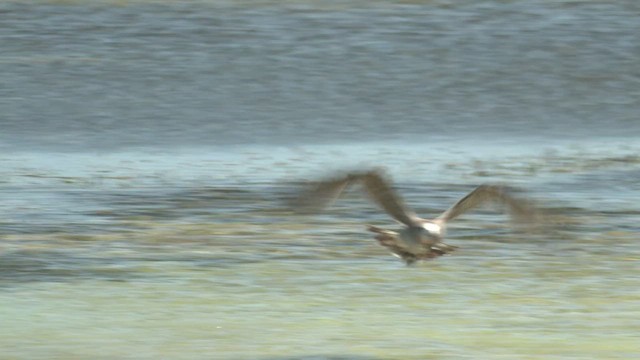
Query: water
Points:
[148, 148]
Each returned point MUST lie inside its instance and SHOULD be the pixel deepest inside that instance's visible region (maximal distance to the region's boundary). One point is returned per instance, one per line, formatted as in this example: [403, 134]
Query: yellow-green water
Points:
[523, 302]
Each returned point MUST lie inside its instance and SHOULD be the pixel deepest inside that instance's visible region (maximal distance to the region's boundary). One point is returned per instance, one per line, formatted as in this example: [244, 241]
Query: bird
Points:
[420, 238]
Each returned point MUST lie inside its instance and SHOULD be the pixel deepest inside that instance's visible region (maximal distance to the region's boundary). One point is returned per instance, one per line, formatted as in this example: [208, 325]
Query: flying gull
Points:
[420, 239]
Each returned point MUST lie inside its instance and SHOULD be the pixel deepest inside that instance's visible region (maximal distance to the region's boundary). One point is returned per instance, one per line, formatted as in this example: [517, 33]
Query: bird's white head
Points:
[433, 229]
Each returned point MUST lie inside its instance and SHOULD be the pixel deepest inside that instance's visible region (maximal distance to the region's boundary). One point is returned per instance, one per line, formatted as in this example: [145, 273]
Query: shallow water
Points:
[149, 149]
[182, 265]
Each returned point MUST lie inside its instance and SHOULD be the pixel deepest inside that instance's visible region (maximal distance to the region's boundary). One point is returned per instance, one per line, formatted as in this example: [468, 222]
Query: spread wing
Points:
[321, 195]
[377, 186]
[521, 209]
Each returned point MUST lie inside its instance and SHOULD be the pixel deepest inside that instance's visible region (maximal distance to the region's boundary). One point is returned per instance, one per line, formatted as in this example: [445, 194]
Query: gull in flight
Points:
[420, 239]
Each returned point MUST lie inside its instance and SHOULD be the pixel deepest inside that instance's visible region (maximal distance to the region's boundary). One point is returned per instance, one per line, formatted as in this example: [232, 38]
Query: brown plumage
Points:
[421, 238]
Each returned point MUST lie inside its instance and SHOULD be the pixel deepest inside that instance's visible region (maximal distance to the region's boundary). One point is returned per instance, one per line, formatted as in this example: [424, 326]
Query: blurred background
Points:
[146, 148]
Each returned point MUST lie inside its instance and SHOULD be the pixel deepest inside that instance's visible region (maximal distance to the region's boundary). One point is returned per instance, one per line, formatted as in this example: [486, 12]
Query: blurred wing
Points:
[378, 188]
[321, 195]
[521, 209]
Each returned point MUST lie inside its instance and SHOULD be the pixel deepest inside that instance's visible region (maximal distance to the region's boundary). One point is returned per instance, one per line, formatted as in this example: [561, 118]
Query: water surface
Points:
[149, 148]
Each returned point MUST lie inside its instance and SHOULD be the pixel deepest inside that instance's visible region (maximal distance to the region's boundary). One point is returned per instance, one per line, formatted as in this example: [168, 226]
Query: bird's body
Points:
[420, 238]
[413, 243]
